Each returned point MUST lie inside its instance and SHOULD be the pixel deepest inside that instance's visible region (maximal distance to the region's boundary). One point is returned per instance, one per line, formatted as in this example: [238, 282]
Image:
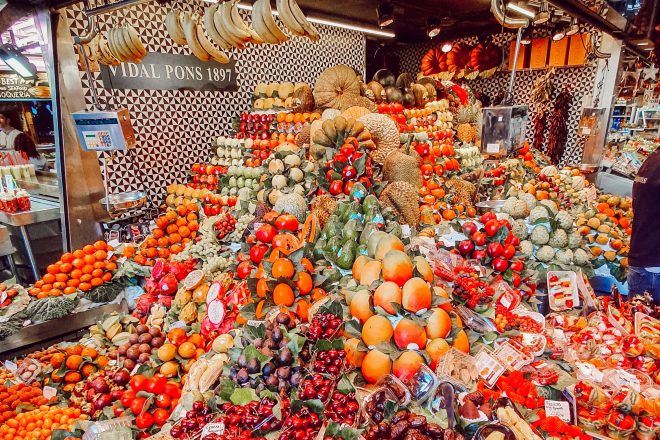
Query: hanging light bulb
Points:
[385, 12]
[446, 47]
[542, 15]
[559, 34]
[526, 37]
[573, 28]
[432, 27]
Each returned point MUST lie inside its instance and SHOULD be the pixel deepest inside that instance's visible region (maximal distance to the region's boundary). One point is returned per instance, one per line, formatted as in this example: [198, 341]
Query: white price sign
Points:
[213, 428]
[558, 408]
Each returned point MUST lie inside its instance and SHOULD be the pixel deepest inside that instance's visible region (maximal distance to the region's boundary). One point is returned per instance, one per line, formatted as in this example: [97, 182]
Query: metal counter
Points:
[42, 211]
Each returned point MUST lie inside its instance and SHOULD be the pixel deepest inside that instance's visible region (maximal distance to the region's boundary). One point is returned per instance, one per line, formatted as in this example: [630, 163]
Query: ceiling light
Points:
[519, 9]
[432, 27]
[542, 15]
[643, 43]
[446, 47]
[573, 28]
[337, 24]
[559, 34]
[17, 62]
[385, 12]
[526, 37]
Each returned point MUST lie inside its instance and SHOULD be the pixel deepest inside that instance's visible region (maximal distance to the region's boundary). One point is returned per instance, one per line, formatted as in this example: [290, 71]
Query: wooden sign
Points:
[13, 86]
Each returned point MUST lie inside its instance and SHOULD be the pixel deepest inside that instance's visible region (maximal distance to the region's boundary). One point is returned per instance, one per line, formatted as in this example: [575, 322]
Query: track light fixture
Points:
[17, 61]
[542, 15]
[559, 34]
[573, 28]
[521, 10]
[432, 26]
[385, 12]
[526, 37]
[446, 47]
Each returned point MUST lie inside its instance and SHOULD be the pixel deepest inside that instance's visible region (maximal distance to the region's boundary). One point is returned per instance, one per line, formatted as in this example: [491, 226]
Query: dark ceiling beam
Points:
[13, 12]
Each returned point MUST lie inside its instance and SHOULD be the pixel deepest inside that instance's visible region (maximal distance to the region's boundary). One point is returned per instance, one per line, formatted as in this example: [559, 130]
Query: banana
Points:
[233, 18]
[309, 28]
[135, 42]
[255, 38]
[118, 46]
[260, 27]
[106, 56]
[190, 30]
[215, 53]
[174, 28]
[111, 44]
[211, 30]
[288, 19]
[128, 47]
[269, 21]
[226, 28]
[236, 18]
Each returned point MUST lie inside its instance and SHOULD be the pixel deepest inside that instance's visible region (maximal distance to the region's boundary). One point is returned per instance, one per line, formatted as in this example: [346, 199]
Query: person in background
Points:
[13, 139]
[644, 255]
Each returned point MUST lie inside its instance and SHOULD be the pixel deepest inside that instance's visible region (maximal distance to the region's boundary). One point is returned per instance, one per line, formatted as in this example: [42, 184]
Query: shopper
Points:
[644, 256]
[13, 139]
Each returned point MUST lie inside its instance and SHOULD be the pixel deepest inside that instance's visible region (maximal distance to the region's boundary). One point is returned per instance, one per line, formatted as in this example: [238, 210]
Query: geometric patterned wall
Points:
[176, 128]
[581, 79]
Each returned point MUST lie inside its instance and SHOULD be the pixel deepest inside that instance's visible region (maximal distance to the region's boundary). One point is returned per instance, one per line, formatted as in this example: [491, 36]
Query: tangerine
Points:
[283, 295]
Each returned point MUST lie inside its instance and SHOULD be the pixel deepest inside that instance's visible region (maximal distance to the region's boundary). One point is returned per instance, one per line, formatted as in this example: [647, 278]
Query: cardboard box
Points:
[539, 56]
[577, 54]
[558, 52]
[523, 56]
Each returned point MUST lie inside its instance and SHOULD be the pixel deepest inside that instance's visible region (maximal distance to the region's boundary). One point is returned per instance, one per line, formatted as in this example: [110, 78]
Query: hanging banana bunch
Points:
[120, 44]
[294, 19]
[101, 51]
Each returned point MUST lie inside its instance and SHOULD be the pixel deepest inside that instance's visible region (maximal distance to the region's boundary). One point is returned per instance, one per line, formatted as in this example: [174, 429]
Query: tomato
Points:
[479, 254]
[336, 187]
[495, 249]
[243, 270]
[469, 228]
[491, 227]
[257, 253]
[509, 251]
[479, 238]
[265, 233]
[517, 280]
[287, 222]
[347, 150]
[500, 264]
[144, 421]
[138, 382]
[137, 405]
[156, 384]
[163, 400]
[173, 390]
[127, 398]
[465, 247]
[348, 187]
[349, 172]
[160, 416]
[517, 266]
[487, 216]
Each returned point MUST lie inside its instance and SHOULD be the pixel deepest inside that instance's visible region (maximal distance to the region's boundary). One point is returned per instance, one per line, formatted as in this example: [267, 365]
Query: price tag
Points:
[254, 323]
[135, 368]
[3, 297]
[235, 247]
[213, 428]
[500, 118]
[11, 366]
[49, 392]
[558, 408]
[405, 231]
[492, 148]
[488, 367]
[178, 324]
[586, 131]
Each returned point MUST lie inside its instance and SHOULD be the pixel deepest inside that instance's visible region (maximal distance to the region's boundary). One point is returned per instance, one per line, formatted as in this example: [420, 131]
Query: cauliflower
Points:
[538, 213]
[581, 257]
[564, 256]
[574, 240]
[526, 248]
[519, 228]
[550, 204]
[559, 239]
[516, 208]
[540, 235]
[545, 254]
[529, 199]
[564, 220]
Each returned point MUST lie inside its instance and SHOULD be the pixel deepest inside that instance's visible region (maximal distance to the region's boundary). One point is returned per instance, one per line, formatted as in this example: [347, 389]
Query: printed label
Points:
[492, 148]
[11, 366]
[213, 428]
[558, 408]
[49, 392]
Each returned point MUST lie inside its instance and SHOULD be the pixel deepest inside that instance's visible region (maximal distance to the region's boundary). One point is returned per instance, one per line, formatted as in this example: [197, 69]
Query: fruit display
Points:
[329, 273]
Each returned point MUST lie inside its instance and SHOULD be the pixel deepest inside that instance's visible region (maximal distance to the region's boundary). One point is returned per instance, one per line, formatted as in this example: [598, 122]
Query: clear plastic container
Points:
[106, 425]
[562, 290]
[398, 389]
[376, 404]
[421, 384]
[29, 371]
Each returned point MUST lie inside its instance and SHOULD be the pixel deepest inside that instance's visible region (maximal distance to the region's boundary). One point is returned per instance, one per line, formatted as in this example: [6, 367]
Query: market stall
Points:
[324, 254]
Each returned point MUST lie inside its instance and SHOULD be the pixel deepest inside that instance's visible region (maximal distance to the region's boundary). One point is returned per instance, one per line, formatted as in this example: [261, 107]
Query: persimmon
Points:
[283, 295]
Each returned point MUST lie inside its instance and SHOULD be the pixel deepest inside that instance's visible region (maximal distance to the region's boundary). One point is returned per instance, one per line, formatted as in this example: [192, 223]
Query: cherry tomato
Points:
[509, 251]
[336, 187]
[163, 401]
[173, 390]
[160, 416]
[144, 421]
[491, 227]
[127, 398]
[243, 270]
[137, 405]
[156, 384]
[138, 382]
[500, 264]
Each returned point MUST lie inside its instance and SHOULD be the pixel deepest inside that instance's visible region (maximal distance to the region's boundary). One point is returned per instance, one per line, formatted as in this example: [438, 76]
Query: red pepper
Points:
[461, 93]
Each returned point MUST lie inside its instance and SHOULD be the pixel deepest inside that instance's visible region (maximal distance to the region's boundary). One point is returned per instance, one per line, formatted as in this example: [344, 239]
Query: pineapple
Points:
[466, 117]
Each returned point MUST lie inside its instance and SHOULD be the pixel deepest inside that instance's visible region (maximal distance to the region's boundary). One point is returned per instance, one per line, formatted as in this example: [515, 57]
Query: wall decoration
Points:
[580, 78]
[176, 128]
[13, 86]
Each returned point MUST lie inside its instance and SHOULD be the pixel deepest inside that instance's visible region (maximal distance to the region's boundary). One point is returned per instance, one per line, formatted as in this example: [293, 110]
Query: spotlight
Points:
[432, 27]
[559, 34]
[526, 37]
[543, 15]
[573, 28]
[17, 61]
[385, 12]
[446, 47]
[521, 10]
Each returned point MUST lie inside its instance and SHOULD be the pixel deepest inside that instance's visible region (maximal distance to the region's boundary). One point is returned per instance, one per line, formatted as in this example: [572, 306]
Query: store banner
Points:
[169, 71]
[13, 86]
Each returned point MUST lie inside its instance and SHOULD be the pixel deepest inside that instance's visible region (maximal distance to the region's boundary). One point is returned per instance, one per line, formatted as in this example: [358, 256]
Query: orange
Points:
[56, 360]
[175, 238]
[66, 268]
[176, 248]
[85, 287]
[407, 365]
[181, 210]
[53, 269]
[376, 330]
[100, 255]
[282, 268]
[89, 352]
[169, 369]
[88, 268]
[448, 214]
[73, 362]
[283, 295]
[111, 266]
[106, 277]
[100, 245]
[192, 207]
[177, 336]
[302, 310]
[184, 231]
[69, 290]
[304, 283]
[157, 233]
[67, 257]
[88, 369]
[49, 278]
[197, 340]
[461, 342]
[181, 222]
[89, 259]
[163, 253]
[262, 288]
[186, 350]
[318, 293]
[59, 285]
[375, 365]
[89, 249]
[309, 267]
[96, 273]
[78, 263]
[76, 273]
[171, 216]
[46, 287]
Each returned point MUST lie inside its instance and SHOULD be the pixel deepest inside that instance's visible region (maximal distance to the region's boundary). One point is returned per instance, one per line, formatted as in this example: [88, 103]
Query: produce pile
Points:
[328, 274]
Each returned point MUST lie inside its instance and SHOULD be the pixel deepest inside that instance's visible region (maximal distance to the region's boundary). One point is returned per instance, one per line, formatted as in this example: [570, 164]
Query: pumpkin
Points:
[377, 91]
[303, 99]
[361, 101]
[404, 81]
[355, 112]
[335, 85]
[458, 58]
[332, 134]
[434, 61]
[485, 56]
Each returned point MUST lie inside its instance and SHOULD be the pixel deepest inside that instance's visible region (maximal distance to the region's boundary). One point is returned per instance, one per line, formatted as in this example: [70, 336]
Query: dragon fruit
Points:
[181, 269]
[168, 285]
[151, 286]
[159, 269]
[165, 301]
[144, 302]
